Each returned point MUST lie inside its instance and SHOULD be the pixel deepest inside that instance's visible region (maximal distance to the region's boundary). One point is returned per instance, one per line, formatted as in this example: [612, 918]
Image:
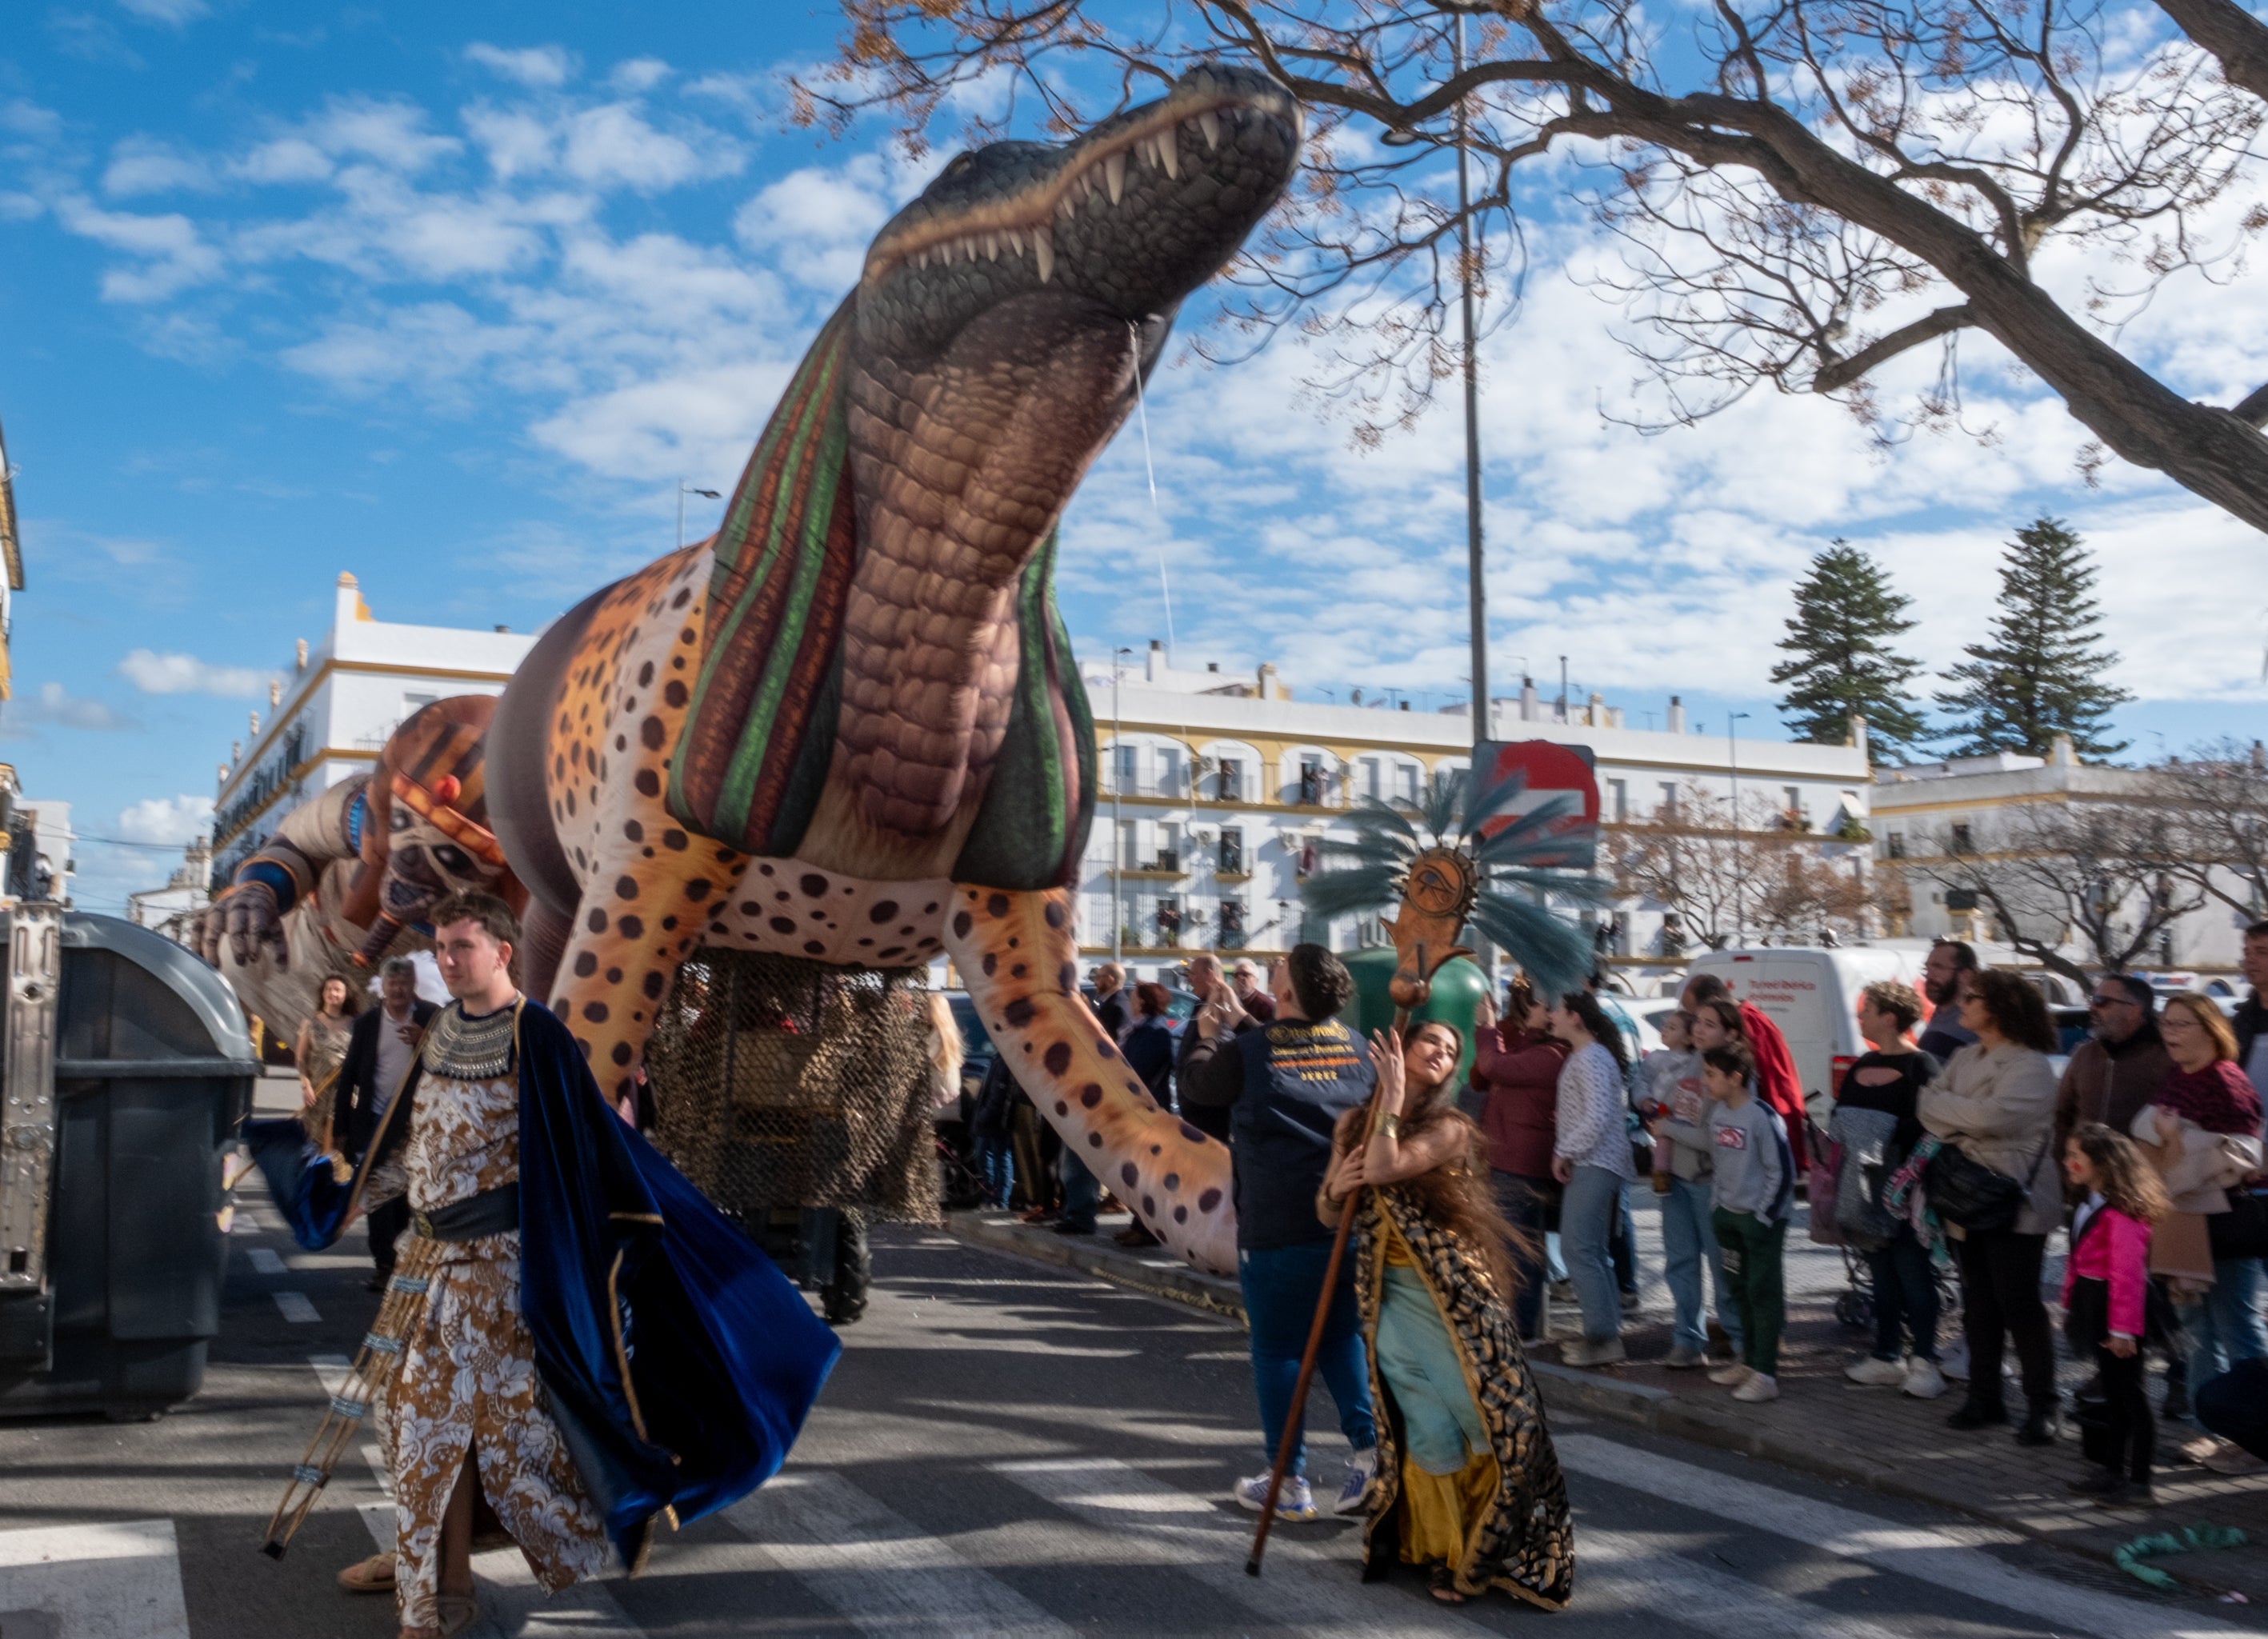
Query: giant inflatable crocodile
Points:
[849, 728]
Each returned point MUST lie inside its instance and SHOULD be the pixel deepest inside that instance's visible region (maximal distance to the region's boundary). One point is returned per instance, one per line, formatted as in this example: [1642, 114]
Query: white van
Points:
[1812, 994]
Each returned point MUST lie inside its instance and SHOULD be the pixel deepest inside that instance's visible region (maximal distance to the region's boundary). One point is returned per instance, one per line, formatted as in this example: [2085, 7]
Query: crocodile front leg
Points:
[1017, 955]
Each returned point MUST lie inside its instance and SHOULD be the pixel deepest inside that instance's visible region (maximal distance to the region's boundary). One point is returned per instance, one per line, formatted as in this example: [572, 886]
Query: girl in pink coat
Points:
[2104, 1282]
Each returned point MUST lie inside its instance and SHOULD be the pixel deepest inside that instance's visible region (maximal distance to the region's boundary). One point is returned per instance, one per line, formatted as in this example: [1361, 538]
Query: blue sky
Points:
[452, 296]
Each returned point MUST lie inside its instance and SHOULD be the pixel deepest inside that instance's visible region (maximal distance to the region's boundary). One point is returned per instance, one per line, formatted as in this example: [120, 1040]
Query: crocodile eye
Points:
[959, 165]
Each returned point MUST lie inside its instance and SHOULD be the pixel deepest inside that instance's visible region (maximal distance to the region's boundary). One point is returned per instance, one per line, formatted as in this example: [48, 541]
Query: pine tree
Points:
[1846, 617]
[2040, 672]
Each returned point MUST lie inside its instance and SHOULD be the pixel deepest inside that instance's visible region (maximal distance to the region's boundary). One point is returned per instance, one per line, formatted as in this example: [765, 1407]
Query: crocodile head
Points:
[999, 324]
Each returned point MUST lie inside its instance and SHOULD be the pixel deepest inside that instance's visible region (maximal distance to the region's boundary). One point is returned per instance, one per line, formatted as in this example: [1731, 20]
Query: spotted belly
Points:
[789, 907]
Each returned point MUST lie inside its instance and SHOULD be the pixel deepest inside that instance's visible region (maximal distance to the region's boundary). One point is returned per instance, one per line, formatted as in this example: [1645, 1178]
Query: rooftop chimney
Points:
[1676, 715]
[2060, 754]
[1529, 701]
[1859, 734]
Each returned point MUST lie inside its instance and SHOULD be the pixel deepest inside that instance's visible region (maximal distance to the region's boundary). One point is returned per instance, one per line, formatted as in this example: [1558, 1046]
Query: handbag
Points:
[1964, 1191]
[2243, 1230]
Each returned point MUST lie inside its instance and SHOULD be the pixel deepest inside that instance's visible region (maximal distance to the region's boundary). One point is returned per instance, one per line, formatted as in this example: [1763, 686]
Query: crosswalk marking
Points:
[296, 1308]
[513, 1605]
[1919, 1552]
[264, 1260]
[1621, 1570]
[1307, 1589]
[881, 1572]
[120, 1581]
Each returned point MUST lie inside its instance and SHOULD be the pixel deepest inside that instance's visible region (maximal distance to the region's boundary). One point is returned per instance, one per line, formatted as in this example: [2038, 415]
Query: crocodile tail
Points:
[784, 562]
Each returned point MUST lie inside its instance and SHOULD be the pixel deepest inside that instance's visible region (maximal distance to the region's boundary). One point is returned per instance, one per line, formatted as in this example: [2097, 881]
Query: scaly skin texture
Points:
[1021, 963]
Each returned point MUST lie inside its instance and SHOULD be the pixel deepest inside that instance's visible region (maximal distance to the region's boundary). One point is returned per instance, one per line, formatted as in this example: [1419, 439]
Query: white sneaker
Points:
[1759, 1387]
[1360, 1466]
[1728, 1375]
[1876, 1373]
[1293, 1501]
[1924, 1380]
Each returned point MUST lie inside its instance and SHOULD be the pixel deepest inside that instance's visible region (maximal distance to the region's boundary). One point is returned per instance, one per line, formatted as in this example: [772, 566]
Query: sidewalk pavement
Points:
[1821, 1424]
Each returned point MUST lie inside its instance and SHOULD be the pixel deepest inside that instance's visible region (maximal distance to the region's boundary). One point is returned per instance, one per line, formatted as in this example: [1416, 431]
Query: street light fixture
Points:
[1739, 865]
[684, 489]
[1117, 830]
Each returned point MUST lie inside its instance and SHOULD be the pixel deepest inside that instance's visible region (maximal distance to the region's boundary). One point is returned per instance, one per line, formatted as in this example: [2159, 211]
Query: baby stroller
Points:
[1854, 1305]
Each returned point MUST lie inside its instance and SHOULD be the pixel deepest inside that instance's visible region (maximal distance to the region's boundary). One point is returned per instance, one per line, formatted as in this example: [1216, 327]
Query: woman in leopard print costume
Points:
[1468, 1484]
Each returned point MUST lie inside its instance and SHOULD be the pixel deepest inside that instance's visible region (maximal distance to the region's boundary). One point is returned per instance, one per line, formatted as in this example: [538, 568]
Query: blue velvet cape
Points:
[677, 1360]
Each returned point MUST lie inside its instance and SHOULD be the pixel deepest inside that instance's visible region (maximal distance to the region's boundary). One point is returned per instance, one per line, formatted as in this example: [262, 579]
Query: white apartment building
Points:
[169, 911]
[1214, 789]
[1927, 813]
[337, 704]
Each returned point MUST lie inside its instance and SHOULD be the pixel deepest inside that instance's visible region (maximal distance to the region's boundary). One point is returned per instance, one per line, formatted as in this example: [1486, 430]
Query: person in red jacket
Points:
[1776, 1081]
[2103, 1282]
[1516, 1069]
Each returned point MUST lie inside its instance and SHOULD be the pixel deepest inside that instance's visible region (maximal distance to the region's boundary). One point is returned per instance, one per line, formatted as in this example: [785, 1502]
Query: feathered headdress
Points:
[1460, 856]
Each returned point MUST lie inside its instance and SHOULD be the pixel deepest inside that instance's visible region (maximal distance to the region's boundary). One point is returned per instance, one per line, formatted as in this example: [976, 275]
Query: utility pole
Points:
[1477, 592]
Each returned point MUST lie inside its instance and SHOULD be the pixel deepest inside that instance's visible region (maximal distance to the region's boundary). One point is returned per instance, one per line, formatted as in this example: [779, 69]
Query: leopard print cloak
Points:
[1525, 1541]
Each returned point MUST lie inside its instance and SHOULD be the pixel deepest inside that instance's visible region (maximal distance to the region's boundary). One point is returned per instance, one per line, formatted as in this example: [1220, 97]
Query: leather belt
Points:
[492, 1212]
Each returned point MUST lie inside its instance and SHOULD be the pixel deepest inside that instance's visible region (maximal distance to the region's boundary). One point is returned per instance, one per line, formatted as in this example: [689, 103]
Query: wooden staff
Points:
[1298, 1415]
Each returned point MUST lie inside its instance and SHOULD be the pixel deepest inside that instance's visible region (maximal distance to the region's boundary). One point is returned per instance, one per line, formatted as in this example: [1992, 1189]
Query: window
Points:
[1311, 780]
[1372, 777]
[1130, 844]
[1169, 847]
[1618, 800]
[1125, 767]
[412, 704]
[1960, 841]
[1669, 797]
[1896, 842]
[1232, 923]
[1231, 786]
[1169, 770]
[1231, 861]
[1405, 782]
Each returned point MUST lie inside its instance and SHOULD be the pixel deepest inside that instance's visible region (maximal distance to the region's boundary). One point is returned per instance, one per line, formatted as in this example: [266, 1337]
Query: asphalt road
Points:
[1003, 1450]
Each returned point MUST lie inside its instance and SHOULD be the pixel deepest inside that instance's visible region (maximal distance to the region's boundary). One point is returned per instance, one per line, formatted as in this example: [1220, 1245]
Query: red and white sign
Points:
[1551, 770]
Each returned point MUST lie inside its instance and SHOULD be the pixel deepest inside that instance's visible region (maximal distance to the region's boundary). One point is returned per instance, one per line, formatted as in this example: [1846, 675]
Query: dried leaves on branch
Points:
[1805, 189]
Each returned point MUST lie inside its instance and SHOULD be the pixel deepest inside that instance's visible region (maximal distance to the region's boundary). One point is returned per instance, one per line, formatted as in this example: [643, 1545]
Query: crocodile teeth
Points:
[1169, 151]
[1209, 123]
[1044, 247]
[1114, 174]
[1066, 206]
[992, 247]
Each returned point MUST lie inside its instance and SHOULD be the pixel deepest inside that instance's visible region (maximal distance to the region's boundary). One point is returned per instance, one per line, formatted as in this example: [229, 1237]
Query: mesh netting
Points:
[779, 1082]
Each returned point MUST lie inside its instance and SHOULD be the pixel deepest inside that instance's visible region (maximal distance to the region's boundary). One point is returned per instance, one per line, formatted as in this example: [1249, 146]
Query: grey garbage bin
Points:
[125, 1071]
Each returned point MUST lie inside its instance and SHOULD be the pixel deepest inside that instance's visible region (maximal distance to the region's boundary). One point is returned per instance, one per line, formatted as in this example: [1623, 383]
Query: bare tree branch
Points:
[2238, 40]
[1944, 321]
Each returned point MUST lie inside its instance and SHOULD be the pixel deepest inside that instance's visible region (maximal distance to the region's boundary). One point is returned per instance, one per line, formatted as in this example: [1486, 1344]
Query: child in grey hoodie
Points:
[1677, 1116]
[1755, 1182]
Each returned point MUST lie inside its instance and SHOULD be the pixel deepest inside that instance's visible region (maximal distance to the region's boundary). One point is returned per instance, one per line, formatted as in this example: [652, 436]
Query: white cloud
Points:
[155, 673]
[53, 706]
[285, 160]
[174, 256]
[21, 118]
[614, 145]
[166, 819]
[140, 166]
[392, 132]
[543, 66]
[639, 73]
[178, 13]
[817, 223]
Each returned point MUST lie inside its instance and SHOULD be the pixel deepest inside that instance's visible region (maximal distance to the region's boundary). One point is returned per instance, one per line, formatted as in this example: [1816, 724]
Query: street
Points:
[1004, 1449]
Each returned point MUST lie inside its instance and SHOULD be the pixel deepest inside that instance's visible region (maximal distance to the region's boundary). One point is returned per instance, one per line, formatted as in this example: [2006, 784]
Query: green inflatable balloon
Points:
[1458, 988]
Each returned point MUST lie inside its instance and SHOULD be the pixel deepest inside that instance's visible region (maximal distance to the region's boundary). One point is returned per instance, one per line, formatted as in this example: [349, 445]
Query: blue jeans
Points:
[1282, 1287]
[1624, 1247]
[1521, 1199]
[2228, 1328]
[1082, 1193]
[995, 1169]
[1906, 1291]
[1689, 1240]
[1440, 1426]
[1586, 1221]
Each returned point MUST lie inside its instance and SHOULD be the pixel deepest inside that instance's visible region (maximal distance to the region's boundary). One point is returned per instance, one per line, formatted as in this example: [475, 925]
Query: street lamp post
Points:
[1740, 865]
[684, 489]
[1117, 830]
[1478, 589]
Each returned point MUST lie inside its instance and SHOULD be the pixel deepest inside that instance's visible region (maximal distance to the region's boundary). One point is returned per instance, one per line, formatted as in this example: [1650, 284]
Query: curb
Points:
[1564, 1388]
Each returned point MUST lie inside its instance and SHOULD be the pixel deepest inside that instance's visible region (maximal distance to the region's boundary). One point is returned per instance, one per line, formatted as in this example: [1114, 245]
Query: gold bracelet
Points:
[1389, 1126]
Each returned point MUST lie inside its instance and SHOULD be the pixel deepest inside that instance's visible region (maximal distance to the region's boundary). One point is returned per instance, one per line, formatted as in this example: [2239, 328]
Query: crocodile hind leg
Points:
[1017, 955]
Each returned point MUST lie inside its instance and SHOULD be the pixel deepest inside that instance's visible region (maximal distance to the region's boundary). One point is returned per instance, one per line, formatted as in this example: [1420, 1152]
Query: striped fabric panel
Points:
[783, 561]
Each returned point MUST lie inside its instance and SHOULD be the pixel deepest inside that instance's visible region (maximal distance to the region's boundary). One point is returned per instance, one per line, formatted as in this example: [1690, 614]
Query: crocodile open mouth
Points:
[1171, 176]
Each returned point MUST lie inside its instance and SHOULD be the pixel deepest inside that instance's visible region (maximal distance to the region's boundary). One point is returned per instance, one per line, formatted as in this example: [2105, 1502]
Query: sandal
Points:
[375, 1575]
[1442, 1582]
[458, 1611]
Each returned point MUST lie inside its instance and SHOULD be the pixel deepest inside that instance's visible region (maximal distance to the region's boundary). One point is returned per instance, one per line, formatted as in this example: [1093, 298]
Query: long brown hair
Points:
[2127, 1182]
[1454, 1195]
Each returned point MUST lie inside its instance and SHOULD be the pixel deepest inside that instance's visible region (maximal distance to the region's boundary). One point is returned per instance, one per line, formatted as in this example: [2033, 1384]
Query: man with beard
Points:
[2120, 1066]
[1950, 960]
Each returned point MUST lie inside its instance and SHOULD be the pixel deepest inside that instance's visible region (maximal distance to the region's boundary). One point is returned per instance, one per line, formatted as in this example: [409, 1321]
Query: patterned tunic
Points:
[467, 1378]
